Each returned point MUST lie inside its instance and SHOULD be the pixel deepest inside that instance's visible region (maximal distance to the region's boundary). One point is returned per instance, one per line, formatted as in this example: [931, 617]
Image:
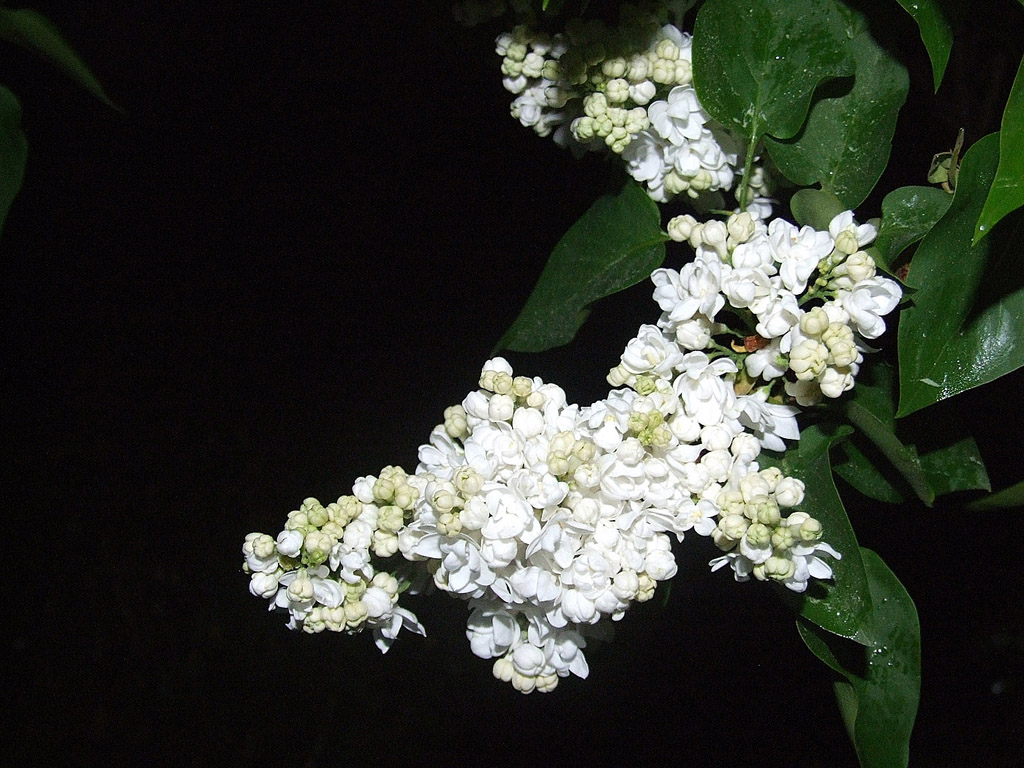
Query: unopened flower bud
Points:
[501, 407]
[301, 588]
[779, 568]
[759, 536]
[680, 227]
[808, 359]
[789, 492]
[810, 530]
[741, 228]
[383, 490]
[846, 242]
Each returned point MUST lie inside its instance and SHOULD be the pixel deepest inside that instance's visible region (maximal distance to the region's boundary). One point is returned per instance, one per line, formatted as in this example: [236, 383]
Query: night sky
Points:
[270, 276]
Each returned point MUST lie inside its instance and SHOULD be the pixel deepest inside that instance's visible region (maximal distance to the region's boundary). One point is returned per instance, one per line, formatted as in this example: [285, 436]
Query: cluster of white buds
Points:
[800, 303]
[323, 567]
[760, 541]
[627, 89]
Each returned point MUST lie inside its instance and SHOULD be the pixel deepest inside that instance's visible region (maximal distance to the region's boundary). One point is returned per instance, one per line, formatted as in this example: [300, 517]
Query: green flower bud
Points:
[779, 568]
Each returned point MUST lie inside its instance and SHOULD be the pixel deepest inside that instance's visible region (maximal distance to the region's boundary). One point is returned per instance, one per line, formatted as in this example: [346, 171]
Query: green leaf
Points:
[956, 467]
[756, 64]
[908, 214]
[617, 243]
[33, 31]
[880, 698]
[845, 143]
[966, 325]
[926, 463]
[858, 466]
[815, 208]
[13, 151]
[845, 607]
[1007, 192]
[936, 34]
[871, 410]
[1008, 497]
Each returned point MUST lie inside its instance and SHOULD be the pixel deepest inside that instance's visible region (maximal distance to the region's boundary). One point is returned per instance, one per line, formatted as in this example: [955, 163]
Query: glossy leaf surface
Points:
[846, 141]
[757, 64]
[1007, 192]
[880, 695]
[966, 325]
[617, 243]
[936, 33]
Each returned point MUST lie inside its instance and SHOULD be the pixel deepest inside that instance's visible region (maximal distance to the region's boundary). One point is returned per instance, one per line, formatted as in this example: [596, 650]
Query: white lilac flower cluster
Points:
[548, 517]
[808, 302]
[321, 569]
[628, 90]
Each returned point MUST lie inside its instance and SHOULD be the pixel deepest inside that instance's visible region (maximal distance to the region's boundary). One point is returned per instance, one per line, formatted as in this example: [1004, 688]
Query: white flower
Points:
[768, 362]
[651, 352]
[705, 394]
[384, 635]
[856, 235]
[868, 301]
[492, 631]
[770, 423]
[679, 118]
[797, 251]
[779, 316]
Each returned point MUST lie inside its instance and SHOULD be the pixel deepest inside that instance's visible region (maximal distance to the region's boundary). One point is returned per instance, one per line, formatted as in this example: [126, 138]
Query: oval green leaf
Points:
[846, 141]
[33, 31]
[617, 243]
[880, 698]
[966, 324]
[815, 208]
[908, 213]
[936, 34]
[1007, 192]
[756, 64]
[13, 151]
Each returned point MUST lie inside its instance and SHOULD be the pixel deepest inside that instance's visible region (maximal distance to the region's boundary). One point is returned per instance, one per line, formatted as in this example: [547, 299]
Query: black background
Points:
[269, 277]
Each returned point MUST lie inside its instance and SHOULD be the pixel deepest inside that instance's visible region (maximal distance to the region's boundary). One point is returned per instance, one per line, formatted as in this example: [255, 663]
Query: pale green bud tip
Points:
[503, 669]
[645, 587]
[810, 530]
[449, 524]
[768, 513]
[783, 539]
[522, 386]
[741, 227]
[779, 568]
[618, 376]
[681, 227]
[759, 535]
[846, 242]
[444, 501]
[455, 424]
[262, 545]
[614, 67]
[815, 322]
[666, 49]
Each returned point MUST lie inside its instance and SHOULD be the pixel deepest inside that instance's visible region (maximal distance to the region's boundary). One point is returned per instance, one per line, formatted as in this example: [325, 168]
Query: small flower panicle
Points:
[628, 90]
[799, 307]
[760, 542]
[323, 568]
